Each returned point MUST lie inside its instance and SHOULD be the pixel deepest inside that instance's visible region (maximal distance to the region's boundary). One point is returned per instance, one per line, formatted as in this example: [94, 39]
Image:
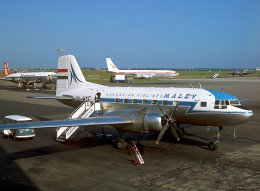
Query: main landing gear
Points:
[214, 145]
[121, 143]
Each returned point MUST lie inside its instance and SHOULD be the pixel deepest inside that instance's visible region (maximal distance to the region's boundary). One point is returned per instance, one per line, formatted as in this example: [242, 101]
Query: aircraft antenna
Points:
[222, 90]
[200, 85]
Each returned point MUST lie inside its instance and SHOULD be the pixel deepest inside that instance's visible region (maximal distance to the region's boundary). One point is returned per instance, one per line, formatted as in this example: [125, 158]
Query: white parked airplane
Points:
[29, 78]
[138, 109]
[139, 73]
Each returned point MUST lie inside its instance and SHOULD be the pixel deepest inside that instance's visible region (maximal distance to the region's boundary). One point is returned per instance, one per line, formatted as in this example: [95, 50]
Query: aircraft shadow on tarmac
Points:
[11, 176]
[53, 149]
[95, 141]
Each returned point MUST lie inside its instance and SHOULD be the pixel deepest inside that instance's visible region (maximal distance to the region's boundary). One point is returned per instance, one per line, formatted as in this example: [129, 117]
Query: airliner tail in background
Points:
[6, 70]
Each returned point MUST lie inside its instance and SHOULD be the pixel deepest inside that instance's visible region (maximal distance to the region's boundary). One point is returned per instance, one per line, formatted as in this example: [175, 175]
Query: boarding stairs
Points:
[43, 82]
[215, 76]
[85, 110]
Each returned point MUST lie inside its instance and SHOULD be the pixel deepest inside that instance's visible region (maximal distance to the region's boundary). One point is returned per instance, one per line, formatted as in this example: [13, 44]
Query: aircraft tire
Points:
[14, 137]
[213, 146]
[121, 144]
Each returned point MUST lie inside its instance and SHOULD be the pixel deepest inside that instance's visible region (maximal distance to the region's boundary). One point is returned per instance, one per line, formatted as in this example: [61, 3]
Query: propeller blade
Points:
[175, 109]
[164, 128]
[160, 108]
[177, 104]
[174, 133]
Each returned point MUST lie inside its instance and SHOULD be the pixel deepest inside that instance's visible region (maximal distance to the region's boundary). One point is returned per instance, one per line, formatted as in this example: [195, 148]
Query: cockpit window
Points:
[222, 104]
[234, 102]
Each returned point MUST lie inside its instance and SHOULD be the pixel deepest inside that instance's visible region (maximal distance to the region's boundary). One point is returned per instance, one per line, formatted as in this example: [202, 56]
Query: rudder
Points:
[69, 75]
[111, 67]
[6, 70]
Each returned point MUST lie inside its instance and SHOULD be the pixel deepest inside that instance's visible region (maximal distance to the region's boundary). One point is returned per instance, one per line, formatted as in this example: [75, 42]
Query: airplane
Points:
[240, 73]
[137, 109]
[29, 78]
[139, 73]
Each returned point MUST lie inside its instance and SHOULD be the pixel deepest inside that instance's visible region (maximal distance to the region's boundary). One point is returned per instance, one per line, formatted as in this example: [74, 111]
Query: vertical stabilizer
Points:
[69, 75]
[111, 67]
[6, 70]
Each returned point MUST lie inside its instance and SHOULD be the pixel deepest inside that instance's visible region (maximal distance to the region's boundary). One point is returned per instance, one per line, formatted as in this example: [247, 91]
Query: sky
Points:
[136, 33]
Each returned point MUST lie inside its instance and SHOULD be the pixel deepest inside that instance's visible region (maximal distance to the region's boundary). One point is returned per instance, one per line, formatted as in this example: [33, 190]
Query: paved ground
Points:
[95, 164]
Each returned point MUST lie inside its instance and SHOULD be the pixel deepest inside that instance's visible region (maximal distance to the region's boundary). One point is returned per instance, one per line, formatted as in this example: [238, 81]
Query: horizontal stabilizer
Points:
[91, 121]
[52, 97]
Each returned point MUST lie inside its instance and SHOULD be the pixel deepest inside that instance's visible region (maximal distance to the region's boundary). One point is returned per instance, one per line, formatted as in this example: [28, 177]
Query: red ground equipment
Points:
[138, 159]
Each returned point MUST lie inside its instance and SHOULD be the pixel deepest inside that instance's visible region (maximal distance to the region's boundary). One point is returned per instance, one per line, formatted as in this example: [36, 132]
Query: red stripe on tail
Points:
[62, 70]
[6, 70]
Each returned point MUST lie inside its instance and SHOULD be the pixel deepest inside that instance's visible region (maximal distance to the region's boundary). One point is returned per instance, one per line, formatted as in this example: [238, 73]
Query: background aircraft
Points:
[240, 73]
[137, 109]
[29, 78]
[139, 73]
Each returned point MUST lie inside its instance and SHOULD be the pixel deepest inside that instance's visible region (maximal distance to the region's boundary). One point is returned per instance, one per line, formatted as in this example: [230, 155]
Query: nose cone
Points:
[249, 114]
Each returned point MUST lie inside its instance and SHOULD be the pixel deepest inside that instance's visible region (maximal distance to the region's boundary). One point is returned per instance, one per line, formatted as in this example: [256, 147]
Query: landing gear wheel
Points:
[121, 144]
[213, 146]
[180, 132]
[183, 131]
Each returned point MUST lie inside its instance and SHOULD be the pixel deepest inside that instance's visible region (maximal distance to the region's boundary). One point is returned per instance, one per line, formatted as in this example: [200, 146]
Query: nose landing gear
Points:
[214, 145]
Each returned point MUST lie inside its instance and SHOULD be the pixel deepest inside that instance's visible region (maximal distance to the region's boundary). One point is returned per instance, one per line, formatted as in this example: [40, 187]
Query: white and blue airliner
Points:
[138, 109]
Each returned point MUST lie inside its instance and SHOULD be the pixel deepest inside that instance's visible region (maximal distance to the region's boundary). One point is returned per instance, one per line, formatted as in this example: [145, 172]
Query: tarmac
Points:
[94, 163]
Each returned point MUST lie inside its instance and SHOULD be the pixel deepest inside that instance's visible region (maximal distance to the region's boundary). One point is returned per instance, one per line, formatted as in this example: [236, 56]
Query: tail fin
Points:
[6, 70]
[69, 75]
[111, 66]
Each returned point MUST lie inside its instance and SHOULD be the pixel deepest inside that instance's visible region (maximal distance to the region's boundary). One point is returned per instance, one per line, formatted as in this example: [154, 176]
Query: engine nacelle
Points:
[143, 121]
[153, 121]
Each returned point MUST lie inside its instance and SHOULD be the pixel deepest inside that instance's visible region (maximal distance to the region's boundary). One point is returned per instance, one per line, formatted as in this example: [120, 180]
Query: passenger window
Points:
[154, 101]
[116, 100]
[164, 102]
[125, 100]
[144, 101]
[134, 100]
[203, 104]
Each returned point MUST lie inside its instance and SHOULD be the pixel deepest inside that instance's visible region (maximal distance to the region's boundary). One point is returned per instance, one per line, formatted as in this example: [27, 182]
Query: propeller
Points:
[167, 124]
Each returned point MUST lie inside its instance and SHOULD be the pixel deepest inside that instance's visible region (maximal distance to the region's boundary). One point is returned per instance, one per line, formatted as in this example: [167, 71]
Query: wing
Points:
[233, 73]
[52, 97]
[246, 72]
[91, 121]
[6, 79]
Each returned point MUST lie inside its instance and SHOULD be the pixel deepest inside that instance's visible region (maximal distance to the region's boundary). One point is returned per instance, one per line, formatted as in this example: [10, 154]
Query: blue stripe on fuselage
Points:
[191, 105]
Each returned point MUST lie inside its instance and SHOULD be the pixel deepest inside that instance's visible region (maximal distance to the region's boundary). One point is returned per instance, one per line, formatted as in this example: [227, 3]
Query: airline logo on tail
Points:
[63, 74]
[110, 65]
[73, 75]
[6, 70]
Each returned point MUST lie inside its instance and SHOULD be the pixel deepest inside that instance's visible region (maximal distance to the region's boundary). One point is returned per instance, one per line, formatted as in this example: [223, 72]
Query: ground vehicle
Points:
[120, 78]
[17, 133]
